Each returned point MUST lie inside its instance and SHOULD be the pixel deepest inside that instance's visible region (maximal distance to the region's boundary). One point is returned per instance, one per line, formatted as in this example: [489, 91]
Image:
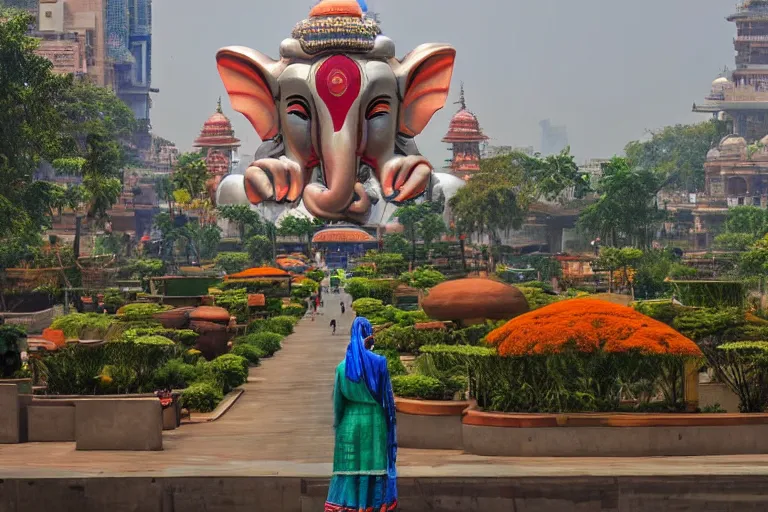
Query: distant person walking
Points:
[333, 326]
[343, 308]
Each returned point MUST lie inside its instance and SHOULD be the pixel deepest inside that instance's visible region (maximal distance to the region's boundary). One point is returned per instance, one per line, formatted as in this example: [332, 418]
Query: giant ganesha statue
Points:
[337, 114]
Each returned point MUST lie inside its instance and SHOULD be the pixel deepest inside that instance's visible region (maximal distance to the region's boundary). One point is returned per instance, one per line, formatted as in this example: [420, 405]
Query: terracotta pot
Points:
[210, 314]
[213, 338]
[431, 407]
[174, 319]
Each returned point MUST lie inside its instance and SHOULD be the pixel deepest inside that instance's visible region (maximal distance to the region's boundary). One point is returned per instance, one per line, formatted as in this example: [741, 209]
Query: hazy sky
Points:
[607, 69]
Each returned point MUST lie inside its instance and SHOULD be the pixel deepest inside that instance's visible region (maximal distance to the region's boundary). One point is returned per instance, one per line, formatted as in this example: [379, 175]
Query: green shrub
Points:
[280, 324]
[12, 344]
[74, 323]
[233, 262]
[472, 335]
[382, 289]
[201, 397]
[229, 371]
[113, 300]
[267, 342]
[408, 339]
[251, 353]
[140, 311]
[422, 278]
[116, 379]
[368, 307]
[143, 269]
[315, 275]
[358, 288]
[418, 386]
[301, 292]
[235, 302]
[394, 364]
[294, 309]
[153, 340]
[251, 286]
[176, 374]
[537, 297]
[274, 306]
[76, 369]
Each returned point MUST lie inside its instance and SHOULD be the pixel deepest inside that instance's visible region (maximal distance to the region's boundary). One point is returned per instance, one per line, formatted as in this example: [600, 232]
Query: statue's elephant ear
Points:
[424, 78]
[251, 80]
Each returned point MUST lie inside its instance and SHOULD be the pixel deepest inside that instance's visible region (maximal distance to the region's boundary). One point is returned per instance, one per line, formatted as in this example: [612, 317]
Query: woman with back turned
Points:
[365, 455]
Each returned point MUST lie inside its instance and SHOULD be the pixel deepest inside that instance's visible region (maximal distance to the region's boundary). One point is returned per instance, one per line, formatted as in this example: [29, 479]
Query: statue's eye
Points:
[298, 109]
[377, 109]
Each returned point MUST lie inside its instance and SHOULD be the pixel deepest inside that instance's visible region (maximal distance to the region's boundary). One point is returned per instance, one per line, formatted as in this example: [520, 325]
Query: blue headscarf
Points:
[363, 365]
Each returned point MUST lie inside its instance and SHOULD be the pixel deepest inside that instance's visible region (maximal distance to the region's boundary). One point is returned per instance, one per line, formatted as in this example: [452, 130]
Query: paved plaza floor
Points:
[282, 426]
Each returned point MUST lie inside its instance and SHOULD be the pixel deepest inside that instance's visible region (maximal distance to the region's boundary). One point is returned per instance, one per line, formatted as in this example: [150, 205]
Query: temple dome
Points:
[719, 83]
[217, 132]
[464, 127]
[713, 154]
[732, 142]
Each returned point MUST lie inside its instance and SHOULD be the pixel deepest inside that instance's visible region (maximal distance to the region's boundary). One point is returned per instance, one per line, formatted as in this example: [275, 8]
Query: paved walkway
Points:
[282, 425]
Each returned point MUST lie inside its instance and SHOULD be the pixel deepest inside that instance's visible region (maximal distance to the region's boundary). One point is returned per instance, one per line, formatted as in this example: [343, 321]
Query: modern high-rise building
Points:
[554, 139]
[110, 41]
[741, 96]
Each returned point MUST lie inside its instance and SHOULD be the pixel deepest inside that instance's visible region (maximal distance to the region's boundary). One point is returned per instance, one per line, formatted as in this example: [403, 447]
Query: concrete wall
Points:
[9, 419]
[434, 494]
[615, 441]
[50, 423]
[711, 393]
[429, 432]
[129, 424]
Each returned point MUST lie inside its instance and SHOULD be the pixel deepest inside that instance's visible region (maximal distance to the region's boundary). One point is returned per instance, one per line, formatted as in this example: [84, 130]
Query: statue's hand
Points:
[404, 177]
[271, 179]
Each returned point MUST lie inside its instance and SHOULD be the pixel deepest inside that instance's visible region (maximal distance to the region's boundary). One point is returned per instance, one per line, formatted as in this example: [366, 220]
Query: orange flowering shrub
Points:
[589, 325]
[259, 272]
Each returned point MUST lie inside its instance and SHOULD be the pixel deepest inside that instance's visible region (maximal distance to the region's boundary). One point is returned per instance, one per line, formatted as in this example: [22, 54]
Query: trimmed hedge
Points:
[279, 324]
[201, 396]
[394, 364]
[229, 371]
[267, 342]
[251, 353]
[408, 339]
[176, 374]
[418, 386]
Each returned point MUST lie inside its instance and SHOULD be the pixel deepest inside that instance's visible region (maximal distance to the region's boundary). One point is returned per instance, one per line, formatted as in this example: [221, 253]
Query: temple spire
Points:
[218, 106]
[462, 101]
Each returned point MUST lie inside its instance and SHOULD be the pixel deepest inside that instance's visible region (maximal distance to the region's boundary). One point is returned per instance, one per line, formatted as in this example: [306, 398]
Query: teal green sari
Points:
[360, 460]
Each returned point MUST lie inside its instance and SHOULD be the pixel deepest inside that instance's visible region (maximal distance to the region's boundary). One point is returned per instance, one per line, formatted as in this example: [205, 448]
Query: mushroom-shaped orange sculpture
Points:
[210, 314]
[474, 299]
[589, 325]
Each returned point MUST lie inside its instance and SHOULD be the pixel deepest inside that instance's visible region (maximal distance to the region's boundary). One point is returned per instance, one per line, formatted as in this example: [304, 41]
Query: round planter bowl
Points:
[431, 407]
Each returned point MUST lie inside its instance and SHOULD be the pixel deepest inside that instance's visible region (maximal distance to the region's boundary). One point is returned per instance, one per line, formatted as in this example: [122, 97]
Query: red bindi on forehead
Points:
[338, 83]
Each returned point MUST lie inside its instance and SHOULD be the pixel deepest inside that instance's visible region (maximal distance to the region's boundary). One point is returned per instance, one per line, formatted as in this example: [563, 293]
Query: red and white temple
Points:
[465, 136]
[219, 144]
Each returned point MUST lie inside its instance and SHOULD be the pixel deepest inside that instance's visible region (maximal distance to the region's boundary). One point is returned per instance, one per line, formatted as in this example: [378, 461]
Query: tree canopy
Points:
[626, 212]
[677, 153]
[72, 124]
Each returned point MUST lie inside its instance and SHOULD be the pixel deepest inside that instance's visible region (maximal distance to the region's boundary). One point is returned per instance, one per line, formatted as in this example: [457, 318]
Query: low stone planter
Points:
[430, 424]
[110, 424]
[613, 435]
[23, 385]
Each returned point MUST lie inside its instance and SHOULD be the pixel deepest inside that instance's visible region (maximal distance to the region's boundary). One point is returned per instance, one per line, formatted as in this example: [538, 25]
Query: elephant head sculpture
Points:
[336, 111]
